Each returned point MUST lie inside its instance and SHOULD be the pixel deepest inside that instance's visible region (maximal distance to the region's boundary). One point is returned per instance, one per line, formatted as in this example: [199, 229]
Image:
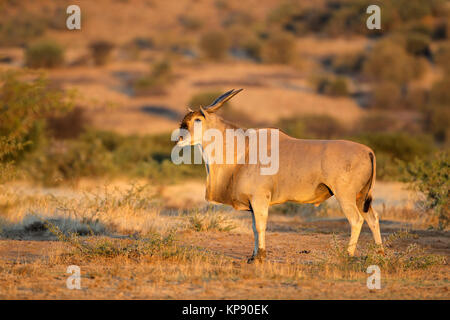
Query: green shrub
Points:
[23, 107]
[442, 57]
[439, 94]
[410, 10]
[437, 111]
[388, 61]
[310, 19]
[377, 122]
[437, 118]
[101, 51]
[418, 44]
[387, 95]
[348, 18]
[45, 54]
[68, 161]
[389, 148]
[313, 127]
[432, 178]
[253, 48]
[283, 13]
[69, 125]
[348, 63]
[155, 82]
[99, 153]
[214, 45]
[247, 41]
[210, 221]
[335, 18]
[333, 86]
[279, 48]
[20, 29]
[401, 146]
[416, 98]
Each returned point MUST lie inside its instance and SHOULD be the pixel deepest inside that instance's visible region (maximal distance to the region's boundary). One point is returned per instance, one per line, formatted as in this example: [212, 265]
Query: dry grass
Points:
[129, 246]
[124, 210]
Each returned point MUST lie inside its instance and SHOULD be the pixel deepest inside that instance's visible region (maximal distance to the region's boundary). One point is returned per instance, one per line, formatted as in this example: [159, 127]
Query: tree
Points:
[24, 104]
[432, 178]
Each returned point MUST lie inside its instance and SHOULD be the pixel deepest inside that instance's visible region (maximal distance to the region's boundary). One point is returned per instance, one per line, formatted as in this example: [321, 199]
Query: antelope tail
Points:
[368, 198]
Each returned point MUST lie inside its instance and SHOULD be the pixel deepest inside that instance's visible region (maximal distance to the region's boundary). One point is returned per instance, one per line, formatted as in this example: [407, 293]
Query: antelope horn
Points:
[222, 99]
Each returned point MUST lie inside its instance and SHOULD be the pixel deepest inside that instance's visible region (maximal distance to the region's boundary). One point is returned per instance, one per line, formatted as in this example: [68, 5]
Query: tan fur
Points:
[310, 171]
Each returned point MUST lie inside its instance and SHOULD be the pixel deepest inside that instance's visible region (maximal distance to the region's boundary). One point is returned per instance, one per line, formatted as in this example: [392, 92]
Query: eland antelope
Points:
[310, 171]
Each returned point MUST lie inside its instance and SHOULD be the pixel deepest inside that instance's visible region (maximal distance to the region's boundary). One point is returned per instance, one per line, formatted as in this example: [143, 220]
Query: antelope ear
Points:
[213, 107]
[189, 109]
[204, 112]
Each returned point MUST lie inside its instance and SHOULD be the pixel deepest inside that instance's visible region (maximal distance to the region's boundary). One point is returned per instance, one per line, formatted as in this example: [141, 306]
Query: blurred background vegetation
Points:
[400, 80]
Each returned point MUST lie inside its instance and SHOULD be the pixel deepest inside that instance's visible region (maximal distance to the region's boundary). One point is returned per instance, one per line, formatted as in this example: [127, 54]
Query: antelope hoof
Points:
[380, 251]
[259, 257]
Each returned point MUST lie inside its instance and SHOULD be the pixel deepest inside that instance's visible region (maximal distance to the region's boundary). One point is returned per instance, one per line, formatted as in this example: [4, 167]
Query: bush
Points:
[214, 45]
[333, 86]
[389, 148]
[253, 48]
[283, 13]
[247, 42]
[143, 43]
[98, 153]
[432, 178]
[418, 44]
[67, 161]
[416, 98]
[46, 54]
[23, 108]
[377, 122]
[279, 48]
[388, 61]
[155, 82]
[437, 112]
[21, 29]
[348, 18]
[437, 119]
[67, 126]
[442, 57]
[210, 221]
[348, 63]
[416, 9]
[310, 19]
[401, 146]
[439, 94]
[440, 31]
[101, 51]
[387, 95]
[313, 127]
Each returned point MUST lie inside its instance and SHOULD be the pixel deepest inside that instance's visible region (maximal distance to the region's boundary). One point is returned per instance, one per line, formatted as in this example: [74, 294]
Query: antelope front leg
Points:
[260, 212]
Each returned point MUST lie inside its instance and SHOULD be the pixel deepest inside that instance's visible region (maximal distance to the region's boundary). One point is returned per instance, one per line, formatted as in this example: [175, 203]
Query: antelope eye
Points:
[197, 120]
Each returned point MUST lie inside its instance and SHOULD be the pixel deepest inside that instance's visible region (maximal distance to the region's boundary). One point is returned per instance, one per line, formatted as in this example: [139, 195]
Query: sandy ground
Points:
[33, 269]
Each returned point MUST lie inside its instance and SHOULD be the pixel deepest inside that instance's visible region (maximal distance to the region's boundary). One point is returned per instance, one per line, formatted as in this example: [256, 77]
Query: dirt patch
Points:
[35, 270]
